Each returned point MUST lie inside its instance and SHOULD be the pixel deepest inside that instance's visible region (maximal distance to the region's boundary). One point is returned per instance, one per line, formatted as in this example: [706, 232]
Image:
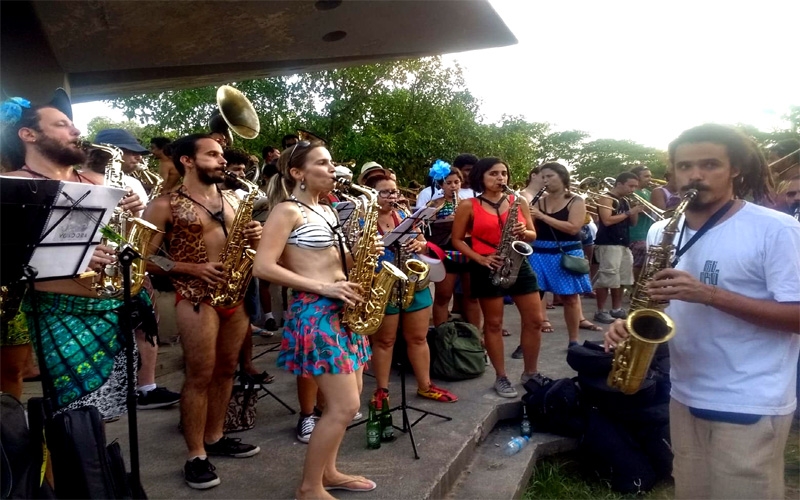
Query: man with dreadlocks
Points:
[733, 294]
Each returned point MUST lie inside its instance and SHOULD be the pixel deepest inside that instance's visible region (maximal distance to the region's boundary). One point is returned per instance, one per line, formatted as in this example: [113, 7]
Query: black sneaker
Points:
[199, 474]
[232, 447]
[159, 397]
[305, 426]
[271, 324]
[517, 354]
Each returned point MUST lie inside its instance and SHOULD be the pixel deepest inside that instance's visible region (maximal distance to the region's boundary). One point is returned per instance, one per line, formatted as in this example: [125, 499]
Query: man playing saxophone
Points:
[197, 219]
[41, 142]
[733, 295]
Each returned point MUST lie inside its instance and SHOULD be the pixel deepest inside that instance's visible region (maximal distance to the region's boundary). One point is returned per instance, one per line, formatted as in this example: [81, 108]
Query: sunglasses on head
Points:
[304, 144]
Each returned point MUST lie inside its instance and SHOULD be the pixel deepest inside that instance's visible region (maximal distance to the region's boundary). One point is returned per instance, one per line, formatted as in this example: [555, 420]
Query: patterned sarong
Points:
[80, 338]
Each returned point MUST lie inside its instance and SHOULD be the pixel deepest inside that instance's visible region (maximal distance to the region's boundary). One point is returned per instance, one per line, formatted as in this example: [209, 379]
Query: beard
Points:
[60, 154]
[209, 177]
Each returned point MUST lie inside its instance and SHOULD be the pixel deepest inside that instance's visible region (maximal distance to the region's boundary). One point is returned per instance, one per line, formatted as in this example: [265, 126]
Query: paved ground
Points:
[444, 446]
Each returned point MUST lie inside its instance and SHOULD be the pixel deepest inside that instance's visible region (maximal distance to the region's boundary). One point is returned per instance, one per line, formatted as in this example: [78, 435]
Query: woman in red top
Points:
[484, 217]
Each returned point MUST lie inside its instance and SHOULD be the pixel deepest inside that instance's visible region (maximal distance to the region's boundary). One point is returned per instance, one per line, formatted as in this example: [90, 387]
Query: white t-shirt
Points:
[426, 195]
[136, 186]
[722, 363]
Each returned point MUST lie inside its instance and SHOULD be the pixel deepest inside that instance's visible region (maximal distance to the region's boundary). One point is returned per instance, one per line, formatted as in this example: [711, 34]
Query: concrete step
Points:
[490, 474]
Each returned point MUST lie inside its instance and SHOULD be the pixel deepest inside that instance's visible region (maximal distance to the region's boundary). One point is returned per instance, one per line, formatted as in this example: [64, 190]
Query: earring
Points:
[303, 185]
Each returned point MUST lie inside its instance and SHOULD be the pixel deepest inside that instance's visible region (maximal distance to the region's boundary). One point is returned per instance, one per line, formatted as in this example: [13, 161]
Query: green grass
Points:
[559, 477]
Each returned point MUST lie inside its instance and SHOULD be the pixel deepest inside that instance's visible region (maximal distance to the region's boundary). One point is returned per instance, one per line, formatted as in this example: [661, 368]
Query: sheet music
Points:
[405, 231]
[345, 209]
[68, 231]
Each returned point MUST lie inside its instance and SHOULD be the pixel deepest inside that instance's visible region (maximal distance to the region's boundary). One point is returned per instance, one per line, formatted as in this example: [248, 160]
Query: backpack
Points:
[555, 406]
[20, 453]
[456, 351]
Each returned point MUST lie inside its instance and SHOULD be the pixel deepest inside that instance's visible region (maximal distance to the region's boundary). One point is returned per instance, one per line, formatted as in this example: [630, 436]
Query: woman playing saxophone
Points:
[305, 251]
[415, 316]
[485, 217]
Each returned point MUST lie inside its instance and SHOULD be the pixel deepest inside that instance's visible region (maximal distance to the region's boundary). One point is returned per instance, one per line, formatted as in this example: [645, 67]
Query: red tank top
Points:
[486, 228]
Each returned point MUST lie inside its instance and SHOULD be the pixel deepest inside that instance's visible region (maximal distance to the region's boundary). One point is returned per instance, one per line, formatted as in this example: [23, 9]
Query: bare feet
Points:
[348, 483]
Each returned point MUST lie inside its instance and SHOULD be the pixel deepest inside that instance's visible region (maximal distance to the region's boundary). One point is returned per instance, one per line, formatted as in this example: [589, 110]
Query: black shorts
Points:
[481, 282]
[453, 267]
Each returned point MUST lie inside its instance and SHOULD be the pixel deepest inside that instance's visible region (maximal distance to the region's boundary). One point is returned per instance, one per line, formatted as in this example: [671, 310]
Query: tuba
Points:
[366, 317]
[235, 113]
[122, 229]
[512, 251]
[649, 327]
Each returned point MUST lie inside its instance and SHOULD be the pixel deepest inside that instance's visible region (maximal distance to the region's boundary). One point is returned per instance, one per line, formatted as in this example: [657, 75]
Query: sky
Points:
[639, 70]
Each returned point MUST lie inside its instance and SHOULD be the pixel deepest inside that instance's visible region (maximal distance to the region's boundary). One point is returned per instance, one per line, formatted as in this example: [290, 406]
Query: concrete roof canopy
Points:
[102, 49]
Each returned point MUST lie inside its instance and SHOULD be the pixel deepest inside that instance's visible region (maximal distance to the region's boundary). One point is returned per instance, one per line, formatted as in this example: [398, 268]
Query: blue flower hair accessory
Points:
[11, 109]
[439, 170]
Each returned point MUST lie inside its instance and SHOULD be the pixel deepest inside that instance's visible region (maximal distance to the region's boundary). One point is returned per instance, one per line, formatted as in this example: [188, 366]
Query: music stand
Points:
[400, 235]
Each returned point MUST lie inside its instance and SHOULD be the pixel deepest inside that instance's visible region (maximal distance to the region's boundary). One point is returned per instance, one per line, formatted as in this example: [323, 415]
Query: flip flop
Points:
[262, 332]
[550, 305]
[585, 324]
[356, 479]
[548, 328]
[506, 333]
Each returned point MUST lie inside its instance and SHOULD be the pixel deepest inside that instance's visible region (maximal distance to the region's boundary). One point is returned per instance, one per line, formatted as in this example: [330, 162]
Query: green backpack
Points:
[456, 351]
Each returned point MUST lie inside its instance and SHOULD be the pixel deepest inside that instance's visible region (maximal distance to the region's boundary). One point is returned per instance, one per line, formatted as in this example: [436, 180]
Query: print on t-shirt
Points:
[710, 274]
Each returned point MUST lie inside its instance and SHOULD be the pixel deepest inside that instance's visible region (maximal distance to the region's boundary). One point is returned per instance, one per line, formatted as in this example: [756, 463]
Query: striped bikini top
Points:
[312, 236]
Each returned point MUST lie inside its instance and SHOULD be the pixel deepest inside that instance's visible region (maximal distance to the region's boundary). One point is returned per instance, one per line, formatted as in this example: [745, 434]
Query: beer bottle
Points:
[387, 431]
[525, 427]
[373, 429]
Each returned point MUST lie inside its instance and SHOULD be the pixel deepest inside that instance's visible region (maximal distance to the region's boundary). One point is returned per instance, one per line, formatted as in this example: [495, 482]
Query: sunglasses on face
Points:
[303, 144]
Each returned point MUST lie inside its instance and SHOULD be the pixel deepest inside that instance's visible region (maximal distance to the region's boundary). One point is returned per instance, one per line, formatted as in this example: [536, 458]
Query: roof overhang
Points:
[102, 49]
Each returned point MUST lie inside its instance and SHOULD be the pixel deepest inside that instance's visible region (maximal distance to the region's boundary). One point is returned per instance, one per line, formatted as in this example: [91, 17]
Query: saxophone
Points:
[122, 229]
[416, 270]
[236, 256]
[366, 317]
[512, 251]
[151, 181]
[647, 324]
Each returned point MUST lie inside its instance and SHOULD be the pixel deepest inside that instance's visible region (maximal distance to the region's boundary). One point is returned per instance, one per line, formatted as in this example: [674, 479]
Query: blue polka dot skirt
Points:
[552, 277]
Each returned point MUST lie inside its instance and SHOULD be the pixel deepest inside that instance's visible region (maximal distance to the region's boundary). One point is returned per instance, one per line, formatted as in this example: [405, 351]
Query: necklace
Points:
[42, 176]
[218, 216]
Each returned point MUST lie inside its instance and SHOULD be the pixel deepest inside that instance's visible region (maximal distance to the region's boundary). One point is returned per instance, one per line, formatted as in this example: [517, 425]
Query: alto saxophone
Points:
[365, 318]
[511, 251]
[122, 229]
[236, 256]
[647, 324]
[416, 270]
[150, 180]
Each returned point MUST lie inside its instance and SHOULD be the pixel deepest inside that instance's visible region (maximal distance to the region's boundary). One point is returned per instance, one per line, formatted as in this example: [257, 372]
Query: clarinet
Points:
[538, 195]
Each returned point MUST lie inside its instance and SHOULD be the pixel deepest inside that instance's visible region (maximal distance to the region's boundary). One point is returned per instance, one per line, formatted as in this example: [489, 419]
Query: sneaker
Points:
[603, 317]
[504, 388]
[358, 416]
[199, 474]
[536, 377]
[305, 426]
[572, 343]
[378, 396]
[438, 394]
[517, 354]
[619, 313]
[159, 397]
[271, 324]
[232, 447]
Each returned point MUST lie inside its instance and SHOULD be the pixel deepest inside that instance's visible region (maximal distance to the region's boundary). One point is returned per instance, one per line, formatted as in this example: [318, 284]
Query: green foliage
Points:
[142, 132]
[402, 114]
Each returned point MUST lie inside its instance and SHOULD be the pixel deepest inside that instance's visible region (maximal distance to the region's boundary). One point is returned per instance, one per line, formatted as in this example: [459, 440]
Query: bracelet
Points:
[711, 295]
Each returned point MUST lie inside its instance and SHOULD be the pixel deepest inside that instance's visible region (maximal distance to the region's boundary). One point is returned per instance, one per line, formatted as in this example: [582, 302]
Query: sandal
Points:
[352, 485]
[547, 327]
[585, 324]
[506, 333]
[550, 305]
[438, 394]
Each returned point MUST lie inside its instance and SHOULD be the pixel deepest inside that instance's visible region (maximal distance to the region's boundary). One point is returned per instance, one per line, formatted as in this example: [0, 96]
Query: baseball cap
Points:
[368, 167]
[121, 139]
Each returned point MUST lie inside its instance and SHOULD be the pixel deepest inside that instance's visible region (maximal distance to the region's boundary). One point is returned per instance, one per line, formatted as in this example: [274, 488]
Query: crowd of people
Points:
[733, 290]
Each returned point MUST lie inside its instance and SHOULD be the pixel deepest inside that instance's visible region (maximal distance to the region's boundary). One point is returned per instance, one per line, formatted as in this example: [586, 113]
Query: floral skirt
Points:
[314, 340]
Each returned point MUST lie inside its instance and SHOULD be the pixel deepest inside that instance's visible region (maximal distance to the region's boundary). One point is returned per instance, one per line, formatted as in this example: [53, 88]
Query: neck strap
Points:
[711, 222]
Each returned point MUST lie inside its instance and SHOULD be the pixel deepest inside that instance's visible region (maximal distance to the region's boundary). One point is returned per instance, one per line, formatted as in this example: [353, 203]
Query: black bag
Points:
[555, 407]
[456, 351]
[241, 414]
[82, 464]
[20, 452]
[440, 233]
[590, 359]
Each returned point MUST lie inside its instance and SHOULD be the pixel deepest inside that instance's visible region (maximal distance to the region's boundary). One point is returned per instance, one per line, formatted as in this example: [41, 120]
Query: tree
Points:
[609, 157]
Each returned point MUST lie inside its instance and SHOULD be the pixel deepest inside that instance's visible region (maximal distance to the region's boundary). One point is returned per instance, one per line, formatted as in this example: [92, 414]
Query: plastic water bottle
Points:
[516, 444]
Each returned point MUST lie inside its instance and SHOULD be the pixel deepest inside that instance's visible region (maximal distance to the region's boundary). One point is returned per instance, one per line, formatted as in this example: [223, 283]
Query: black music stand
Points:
[404, 235]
